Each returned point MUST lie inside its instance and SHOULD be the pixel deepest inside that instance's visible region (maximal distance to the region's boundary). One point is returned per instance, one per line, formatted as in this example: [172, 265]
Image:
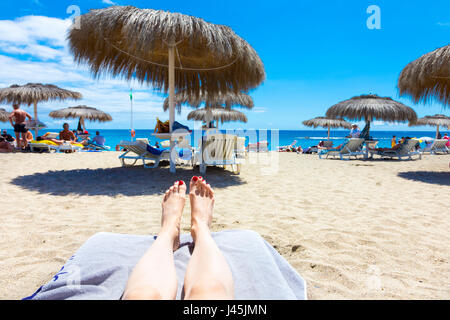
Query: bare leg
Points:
[18, 140]
[24, 140]
[154, 276]
[208, 276]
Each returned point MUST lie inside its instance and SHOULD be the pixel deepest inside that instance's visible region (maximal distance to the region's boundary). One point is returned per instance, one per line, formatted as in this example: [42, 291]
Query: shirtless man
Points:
[66, 134]
[17, 119]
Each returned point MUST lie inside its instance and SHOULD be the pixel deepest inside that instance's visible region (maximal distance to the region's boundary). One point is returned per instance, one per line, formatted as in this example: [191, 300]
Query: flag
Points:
[131, 94]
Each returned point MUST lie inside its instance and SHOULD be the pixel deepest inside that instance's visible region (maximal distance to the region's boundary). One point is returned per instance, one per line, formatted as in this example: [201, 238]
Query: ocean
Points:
[305, 138]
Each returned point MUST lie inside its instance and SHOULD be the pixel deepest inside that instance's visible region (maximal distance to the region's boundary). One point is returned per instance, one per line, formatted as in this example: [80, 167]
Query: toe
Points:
[193, 184]
[181, 187]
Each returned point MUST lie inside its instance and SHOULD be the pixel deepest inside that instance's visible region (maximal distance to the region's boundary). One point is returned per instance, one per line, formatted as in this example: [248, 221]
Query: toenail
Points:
[181, 183]
[195, 178]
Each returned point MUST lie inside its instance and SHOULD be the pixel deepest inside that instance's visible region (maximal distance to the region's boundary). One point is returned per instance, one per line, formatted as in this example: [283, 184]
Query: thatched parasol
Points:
[82, 113]
[218, 114]
[4, 115]
[427, 77]
[228, 100]
[325, 122]
[171, 51]
[371, 107]
[435, 121]
[32, 93]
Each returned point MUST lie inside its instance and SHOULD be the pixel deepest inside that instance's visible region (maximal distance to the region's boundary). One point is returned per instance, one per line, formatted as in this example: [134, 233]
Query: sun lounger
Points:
[351, 148]
[406, 150]
[47, 145]
[438, 146]
[142, 152]
[100, 269]
[217, 150]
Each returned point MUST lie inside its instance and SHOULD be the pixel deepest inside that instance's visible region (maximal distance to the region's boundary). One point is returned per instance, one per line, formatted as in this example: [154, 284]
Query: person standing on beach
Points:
[393, 141]
[17, 119]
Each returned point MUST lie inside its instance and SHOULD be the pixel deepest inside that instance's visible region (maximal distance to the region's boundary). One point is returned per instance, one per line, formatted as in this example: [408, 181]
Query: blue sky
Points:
[316, 53]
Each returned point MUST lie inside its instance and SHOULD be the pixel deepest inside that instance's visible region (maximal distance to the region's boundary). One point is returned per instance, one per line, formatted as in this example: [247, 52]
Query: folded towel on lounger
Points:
[101, 267]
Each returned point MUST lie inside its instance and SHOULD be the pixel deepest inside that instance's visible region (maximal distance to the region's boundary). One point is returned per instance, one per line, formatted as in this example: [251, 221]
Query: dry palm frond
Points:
[370, 107]
[84, 112]
[217, 113]
[4, 115]
[36, 92]
[428, 77]
[132, 42]
[325, 122]
[228, 100]
[436, 120]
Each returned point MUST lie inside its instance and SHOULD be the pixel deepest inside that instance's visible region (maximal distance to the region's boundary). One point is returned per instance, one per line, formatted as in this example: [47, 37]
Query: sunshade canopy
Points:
[370, 107]
[132, 42]
[428, 77]
[228, 99]
[217, 113]
[85, 112]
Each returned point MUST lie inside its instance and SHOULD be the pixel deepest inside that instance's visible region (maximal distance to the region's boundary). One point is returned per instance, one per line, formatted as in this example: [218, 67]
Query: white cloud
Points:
[109, 2]
[259, 110]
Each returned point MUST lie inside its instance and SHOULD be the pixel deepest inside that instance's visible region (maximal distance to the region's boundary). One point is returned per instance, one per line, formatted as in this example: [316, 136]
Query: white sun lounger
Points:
[406, 150]
[218, 150]
[141, 153]
[352, 148]
[60, 148]
[438, 146]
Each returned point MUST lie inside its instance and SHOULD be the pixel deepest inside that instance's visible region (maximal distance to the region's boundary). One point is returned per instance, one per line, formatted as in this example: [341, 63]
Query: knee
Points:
[209, 289]
[147, 293]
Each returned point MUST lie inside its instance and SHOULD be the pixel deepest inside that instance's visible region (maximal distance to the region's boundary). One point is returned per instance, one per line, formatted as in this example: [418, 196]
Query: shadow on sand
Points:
[433, 177]
[132, 181]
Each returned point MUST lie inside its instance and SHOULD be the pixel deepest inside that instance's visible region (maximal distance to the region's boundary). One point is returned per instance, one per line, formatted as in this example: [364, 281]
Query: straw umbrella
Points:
[427, 77]
[435, 121]
[4, 115]
[32, 93]
[217, 114]
[228, 99]
[325, 122]
[82, 113]
[170, 51]
[371, 107]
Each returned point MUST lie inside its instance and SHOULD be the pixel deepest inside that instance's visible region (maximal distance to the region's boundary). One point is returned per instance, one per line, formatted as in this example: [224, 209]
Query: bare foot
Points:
[172, 209]
[201, 196]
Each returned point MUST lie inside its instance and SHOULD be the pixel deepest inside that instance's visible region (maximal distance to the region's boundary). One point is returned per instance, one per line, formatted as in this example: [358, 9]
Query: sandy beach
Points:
[352, 229]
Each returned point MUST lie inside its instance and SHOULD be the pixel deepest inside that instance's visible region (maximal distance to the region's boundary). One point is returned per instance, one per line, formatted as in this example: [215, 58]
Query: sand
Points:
[352, 229]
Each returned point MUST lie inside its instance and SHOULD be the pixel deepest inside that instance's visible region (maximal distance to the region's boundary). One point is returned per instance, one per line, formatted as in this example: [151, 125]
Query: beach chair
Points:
[351, 148]
[241, 151]
[438, 146]
[218, 150]
[142, 152]
[48, 146]
[406, 150]
[328, 144]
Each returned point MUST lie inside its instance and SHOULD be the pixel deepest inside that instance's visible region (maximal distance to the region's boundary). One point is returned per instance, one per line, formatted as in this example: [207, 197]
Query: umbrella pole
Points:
[171, 102]
[328, 133]
[36, 129]
[437, 131]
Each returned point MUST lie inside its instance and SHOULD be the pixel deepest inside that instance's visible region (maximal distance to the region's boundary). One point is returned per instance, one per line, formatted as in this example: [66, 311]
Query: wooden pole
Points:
[171, 102]
[36, 129]
[328, 133]
[437, 131]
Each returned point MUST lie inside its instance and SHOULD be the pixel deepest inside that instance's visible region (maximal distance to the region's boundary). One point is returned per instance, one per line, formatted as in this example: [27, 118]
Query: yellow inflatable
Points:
[51, 143]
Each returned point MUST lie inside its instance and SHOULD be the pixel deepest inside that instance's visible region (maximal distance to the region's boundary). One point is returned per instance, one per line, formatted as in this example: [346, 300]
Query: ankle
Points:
[199, 227]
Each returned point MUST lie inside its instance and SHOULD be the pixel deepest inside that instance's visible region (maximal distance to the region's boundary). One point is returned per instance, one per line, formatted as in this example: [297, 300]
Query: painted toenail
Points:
[195, 178]
[181, 183]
